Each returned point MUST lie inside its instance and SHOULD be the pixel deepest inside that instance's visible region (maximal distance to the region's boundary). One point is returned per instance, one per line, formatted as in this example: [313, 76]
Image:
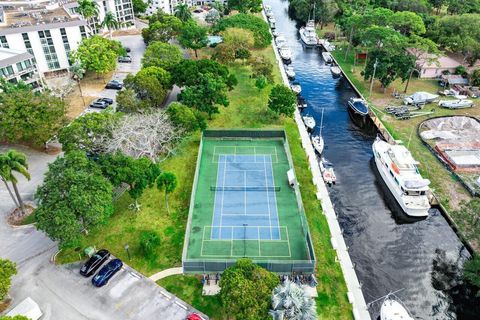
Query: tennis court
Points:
[243, 206]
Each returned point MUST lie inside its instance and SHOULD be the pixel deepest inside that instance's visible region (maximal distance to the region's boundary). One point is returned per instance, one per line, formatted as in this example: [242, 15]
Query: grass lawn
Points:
[247, 109]
[449, 191]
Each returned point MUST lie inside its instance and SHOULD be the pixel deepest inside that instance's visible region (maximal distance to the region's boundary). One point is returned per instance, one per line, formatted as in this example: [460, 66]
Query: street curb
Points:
[25, 226]
[54, 257]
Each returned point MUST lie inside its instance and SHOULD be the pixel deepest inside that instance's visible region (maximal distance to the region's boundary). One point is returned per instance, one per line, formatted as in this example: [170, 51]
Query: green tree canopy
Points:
[256, 25]
[261, 66]
[73, 198]
[162, 55]
[139, 6]
[161, 27]
[7, 270]
[182, 12]
[193, 36]
[149, 242]
[150, 85]
[206, 94]
[471, 272]
[14, 162]
[27, 116]
[128, 102]
[282, 100]
[246, 290]
[167, 181]
[408, 23]
[98, 54]
[245, 6]
[87, 8]
[186, 118]
[86, 133]
[188, 72]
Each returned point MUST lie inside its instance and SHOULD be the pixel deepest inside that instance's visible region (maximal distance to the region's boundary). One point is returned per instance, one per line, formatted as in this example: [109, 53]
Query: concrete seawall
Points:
[355, 295]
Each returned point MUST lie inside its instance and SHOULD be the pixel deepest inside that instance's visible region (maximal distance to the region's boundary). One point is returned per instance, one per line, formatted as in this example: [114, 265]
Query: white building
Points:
[49, 30]
[168, 6]
[16, 66]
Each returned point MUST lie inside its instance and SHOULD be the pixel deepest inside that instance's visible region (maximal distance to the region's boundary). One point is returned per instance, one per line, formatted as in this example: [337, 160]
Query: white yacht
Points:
[318, 143]
[308, 34]
[285, 53]
[336, 71]
[393, 309]
[400, 173]
[309, 122]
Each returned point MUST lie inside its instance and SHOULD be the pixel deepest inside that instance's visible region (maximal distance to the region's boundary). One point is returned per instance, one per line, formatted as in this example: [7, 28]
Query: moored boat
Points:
[301, 102]
[285, 53]
[358, 106]
[309, 122]
[327, 57]
[318, 143]
[296, 88]
[328, 173]
[455, 104]
[308, 34]
[290, 72]
[336, 71]
[393, 309]
[420, 98]
[399, 171]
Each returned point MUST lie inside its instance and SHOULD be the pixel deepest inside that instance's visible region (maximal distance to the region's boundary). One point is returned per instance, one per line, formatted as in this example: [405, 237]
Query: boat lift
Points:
[407, 112]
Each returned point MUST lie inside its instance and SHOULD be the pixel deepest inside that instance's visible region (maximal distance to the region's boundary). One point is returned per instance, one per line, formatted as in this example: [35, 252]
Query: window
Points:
[83, 33]
[23, 65]
[66, 45]
[49, 49]
[7, 71]
[4, 42]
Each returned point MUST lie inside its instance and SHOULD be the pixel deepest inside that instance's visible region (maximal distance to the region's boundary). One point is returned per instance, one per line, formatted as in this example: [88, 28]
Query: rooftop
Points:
[30, 16]
[9, 56]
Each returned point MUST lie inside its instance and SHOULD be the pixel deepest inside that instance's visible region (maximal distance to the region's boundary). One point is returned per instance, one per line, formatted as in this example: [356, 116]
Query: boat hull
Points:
[307, 42]
[418, 213]
[359, 119]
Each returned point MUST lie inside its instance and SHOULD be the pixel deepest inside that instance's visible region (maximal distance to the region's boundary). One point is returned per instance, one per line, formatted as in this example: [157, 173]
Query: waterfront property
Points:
[244, 205]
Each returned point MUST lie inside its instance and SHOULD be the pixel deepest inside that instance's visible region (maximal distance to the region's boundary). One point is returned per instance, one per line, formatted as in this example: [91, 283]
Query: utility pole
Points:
[373, 76]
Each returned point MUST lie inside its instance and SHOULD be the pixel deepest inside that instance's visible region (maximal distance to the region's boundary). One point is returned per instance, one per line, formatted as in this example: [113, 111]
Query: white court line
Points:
[268, 197]
[274, 195]
[288, 242]
[223, 192]
[235, 148]
[214, 204]
[276, 155]
[245, 193]
[248, 214]
[260, 250]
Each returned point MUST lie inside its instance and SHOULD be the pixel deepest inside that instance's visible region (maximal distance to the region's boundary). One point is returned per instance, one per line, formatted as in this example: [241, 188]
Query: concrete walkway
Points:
[166, 273]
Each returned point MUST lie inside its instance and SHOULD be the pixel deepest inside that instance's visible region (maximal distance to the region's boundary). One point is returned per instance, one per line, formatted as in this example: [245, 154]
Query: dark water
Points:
[424, 258]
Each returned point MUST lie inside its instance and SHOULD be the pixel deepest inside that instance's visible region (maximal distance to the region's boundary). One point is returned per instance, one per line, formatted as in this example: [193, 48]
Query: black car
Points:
[99, 104]
[107, 272]
[94, 263]
[107, 100]
[114, 84]
[128, 49]
[125, 59]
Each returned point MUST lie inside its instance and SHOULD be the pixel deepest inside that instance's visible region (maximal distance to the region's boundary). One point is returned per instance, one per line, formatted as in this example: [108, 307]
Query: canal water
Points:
[423, 258]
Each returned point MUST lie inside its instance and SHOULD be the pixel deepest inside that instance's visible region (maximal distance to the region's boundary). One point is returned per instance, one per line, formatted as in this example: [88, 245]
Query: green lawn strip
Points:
[449, 191]
[28, 219]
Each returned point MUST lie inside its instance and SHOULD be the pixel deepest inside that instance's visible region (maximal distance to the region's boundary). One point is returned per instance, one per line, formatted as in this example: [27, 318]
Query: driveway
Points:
[137, 49]
[59, 290]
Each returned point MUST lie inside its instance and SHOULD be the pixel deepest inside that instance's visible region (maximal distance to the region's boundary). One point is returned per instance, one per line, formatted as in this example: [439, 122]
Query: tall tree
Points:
[88, 9]
[193, 36]
[110, 22]
[150, 85]
[182, 12]
[7, 270]
[206, 95]
[161, 27]
[139, 6]
[73, 198]
[162, 55]
[27, 116]
[78, 72]
[10, 163]
[246, 290]
[186, 118]
[98, 54]
[282, 100]
[245, 6]
[167, 181]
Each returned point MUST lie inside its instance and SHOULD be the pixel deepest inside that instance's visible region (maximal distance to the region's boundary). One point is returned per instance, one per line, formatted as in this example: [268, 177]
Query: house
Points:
[18, 66]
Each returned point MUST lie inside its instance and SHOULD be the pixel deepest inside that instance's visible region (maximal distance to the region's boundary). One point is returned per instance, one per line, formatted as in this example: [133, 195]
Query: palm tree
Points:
[182, 12]
[290, 302]
[110, 22]
[78, 71]
[10, 162]
[88, 9]
[167, 181]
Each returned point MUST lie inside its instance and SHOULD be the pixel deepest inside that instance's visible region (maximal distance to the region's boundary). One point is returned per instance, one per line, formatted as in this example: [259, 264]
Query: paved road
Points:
[59, 290]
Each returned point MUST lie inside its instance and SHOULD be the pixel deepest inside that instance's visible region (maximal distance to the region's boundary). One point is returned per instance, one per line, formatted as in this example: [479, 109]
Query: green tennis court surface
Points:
[243, 206]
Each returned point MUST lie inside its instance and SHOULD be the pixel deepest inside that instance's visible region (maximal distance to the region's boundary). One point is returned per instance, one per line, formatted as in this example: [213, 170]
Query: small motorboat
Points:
[272, 22]
[336, 71]
[280, 41]
[455, 104]
[275, 33]
[301, 102]
[393, 309]
[308, 34]
[296, 88]
[328, 174]
[318, 143]
[327, 57]
[358, 106]
[326, 44]
[420, 98]
[309, 122]
[290, 72]
[285, 53]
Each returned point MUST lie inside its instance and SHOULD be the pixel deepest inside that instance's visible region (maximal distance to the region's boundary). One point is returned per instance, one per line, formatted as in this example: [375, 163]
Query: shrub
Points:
[149, 242]
[259, 28]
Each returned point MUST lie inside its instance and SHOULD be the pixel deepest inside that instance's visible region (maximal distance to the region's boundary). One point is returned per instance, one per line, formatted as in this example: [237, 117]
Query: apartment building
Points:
[16, 66]
[168, 6]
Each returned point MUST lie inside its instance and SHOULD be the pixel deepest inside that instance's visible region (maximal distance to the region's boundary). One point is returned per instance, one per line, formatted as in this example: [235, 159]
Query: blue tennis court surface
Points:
[245, 201]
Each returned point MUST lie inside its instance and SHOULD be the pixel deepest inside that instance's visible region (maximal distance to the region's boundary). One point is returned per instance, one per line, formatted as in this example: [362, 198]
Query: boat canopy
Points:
[417, 183]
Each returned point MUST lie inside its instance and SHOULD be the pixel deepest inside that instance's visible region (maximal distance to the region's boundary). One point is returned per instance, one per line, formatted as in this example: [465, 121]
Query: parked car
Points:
[114, 84]
[94, 262]
[99, 104]
[107, 272]
[107, 100]
[125, 59]
[128, 49]
[194, 316]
